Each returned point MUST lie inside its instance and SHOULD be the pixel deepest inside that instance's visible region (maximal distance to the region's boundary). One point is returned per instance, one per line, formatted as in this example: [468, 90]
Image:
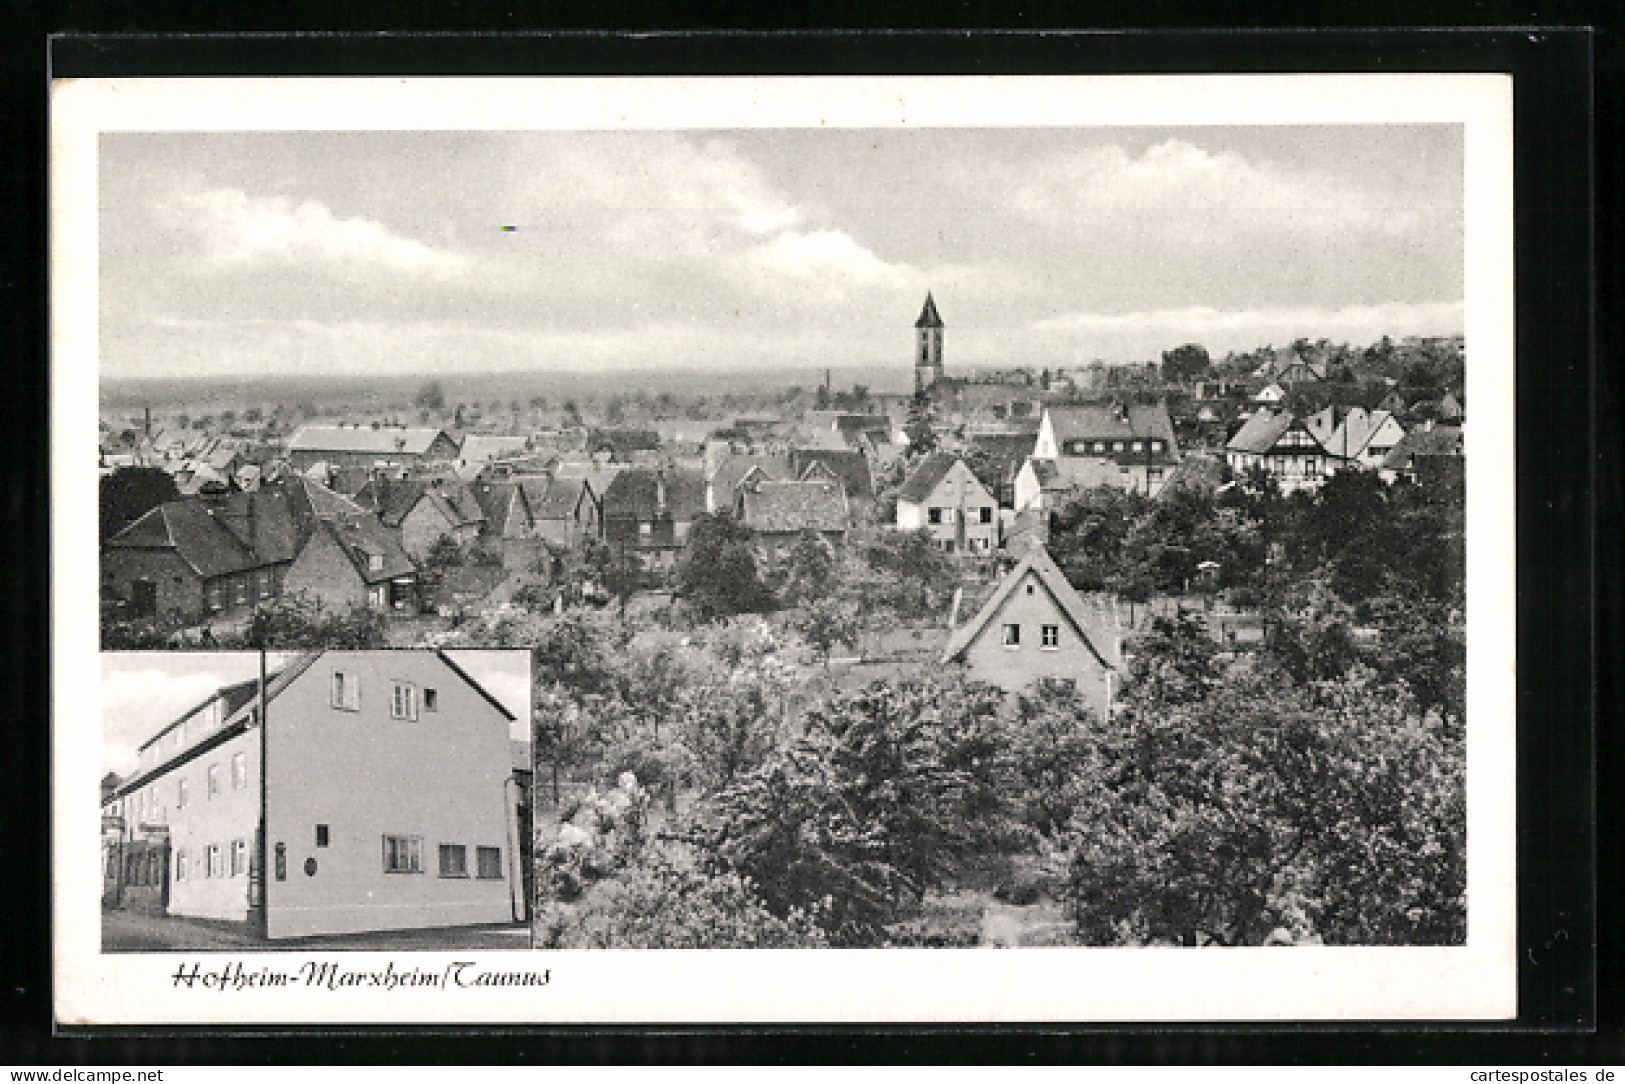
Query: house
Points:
[252, 806]
[945, 499]
[354, 561]
[479, 449]
[1281, 443]
[1270, 394]
[649, 511]
[608, 445]
[1035, 626]
[506, 523]
[1001, 456]
[726, 472]
[1042, 485]
[779, 513]
[1356, 436]
[849, 467]
[1137, 437]
[1430, 455]
[563, 510]
[422, 512]
[367, 446]
[217, 550]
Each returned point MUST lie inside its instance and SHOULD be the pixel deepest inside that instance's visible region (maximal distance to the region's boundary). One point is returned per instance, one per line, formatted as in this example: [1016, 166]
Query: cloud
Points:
[1179, 191]
[237, 230]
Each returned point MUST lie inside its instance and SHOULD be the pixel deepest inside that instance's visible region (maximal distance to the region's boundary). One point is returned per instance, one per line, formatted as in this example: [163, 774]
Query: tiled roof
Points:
[927, 476]
[1261, 432]
[1004, 453]
[623, 442]
[1039, 563]
[557, 498]
[1076, 472]
[351, 438]
[366, 539]
[732, 469]
[496, 500]
[1109, 421]
[1441, 440]
[484, 447]
[850, 468]
[189, 529]
[634, 494]
[391, 498]
[781, 507]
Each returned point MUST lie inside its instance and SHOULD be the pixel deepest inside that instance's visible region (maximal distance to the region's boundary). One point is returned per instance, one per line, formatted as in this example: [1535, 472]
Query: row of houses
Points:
[248, 808]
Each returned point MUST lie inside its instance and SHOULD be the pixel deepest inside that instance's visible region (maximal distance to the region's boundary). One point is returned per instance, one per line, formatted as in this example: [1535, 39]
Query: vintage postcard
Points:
[783, 550]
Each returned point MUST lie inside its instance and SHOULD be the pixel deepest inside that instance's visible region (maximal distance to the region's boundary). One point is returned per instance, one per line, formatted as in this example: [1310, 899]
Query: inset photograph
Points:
[326, 800]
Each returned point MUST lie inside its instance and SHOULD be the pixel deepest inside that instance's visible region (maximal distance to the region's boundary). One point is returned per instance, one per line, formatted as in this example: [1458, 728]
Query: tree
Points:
[431, 396]
[825, 623]
[1328, 813]
[1185, 363]
[810, 572]
[922, 439]
[718, 574]
[129, 493]
[889, 790]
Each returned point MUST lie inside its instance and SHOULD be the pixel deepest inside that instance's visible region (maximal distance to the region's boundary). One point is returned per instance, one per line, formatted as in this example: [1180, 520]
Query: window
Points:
[1050, 636]
[180, 794]
[403, 700]
[1139, 446]
[265, 583]
[403, 854]
[242, 590]
[216, 598]
[239, 771]
[375, 562]
[490, 863]
[948, 515]
[987, 515]
[933, 515]
[321, 835]
[1117, 445]
[1100, 446]
[239, 857]
[346, 691]
[453, 860]
[217, 866]
[1012, 636]
[1156, 446]
[214, 780]
[431, 700]
[645, 528]
[180, 865]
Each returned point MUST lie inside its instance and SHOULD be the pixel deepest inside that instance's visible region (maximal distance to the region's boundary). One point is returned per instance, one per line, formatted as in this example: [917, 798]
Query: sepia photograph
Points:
[998, 518]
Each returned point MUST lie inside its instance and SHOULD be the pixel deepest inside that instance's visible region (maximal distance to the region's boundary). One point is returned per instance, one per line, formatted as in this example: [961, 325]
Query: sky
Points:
[415, 252]
[144, 691]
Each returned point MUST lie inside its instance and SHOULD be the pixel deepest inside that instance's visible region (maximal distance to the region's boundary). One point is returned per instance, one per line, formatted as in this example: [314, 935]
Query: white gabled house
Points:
[945, 498]
[1283, 445]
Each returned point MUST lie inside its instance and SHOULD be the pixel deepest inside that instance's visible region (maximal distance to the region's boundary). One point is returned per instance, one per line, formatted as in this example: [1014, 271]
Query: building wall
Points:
[959, 493]
[231, 815]
[441, 778]
[323, 571]
[302, 459]
[1031, 606]
[180, 590]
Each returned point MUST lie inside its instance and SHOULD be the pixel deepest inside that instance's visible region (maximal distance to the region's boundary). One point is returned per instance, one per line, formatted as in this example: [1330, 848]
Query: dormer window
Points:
[1156, 446]
[1117, 445]
[375, 562]
[1139, 446]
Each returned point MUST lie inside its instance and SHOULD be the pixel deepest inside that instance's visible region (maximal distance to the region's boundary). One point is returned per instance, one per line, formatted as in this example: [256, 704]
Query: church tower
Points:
[927, 346]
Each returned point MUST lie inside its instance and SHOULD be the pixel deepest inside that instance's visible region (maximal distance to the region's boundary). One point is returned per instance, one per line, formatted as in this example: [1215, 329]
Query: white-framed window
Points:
[180, 864]
[239, 857]
[1100, 446]
[489, 860]
[180, 793]
[986, 514]
[217, 861]
[216, 596]
[1156, 446]
[1117, 445]
[241, 583]
[403, 700]
[346, 691]
[375, 562]
[453, 860]
[645, 528]
[265, 583]
[403, 854]
[948, 515]
[239, 771]
[214, 780]
[933, 515]
[1139, 446]
[431, 700]
[1049, 636]
[1012, 635]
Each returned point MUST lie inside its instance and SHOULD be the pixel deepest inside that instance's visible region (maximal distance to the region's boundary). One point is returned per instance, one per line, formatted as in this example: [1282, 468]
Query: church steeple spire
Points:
[927, 346]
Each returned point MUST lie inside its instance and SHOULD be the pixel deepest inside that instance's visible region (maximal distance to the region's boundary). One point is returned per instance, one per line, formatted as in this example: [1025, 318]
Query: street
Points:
[129, 931]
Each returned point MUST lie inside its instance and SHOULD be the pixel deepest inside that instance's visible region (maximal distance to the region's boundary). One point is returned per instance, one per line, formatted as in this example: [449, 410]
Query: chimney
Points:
[147, 422]
[660, 489]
